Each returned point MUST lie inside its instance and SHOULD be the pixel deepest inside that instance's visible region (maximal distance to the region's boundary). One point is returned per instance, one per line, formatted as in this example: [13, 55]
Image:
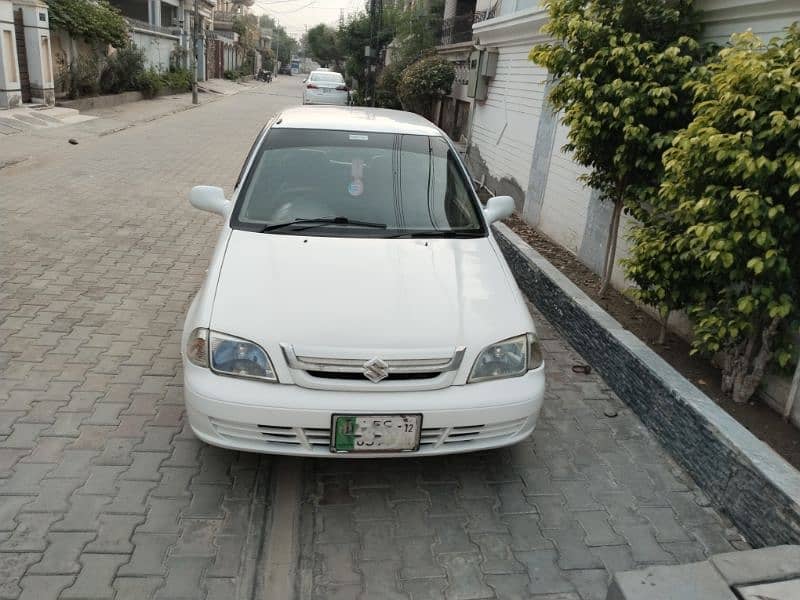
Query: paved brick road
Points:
[105, 493]
[104, 489]
[548, 519]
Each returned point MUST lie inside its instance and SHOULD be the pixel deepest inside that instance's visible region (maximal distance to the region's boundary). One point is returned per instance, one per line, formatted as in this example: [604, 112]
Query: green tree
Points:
[412, 31]
[283, 44]
[248, 29]
[619, 68]
[424, 82]
[416, 30]
[323, 46]
[732, 186]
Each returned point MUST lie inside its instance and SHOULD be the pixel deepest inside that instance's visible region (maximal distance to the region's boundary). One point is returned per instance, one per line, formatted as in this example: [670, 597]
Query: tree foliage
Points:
[95, 21]
[386, 94]
[283, 44]
[619, 68]
[352, 36]
[247, 27]
[731, 200]
[416, 31]
[424, 82]
[123, 70]
[412, 32]
[322, 44]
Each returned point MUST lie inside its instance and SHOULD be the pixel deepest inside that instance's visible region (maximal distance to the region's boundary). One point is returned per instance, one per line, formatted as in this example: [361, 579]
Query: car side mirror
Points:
[498, 208]
[209, 198]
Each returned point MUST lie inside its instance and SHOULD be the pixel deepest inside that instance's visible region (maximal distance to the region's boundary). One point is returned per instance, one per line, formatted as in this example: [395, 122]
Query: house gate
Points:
[22, 57]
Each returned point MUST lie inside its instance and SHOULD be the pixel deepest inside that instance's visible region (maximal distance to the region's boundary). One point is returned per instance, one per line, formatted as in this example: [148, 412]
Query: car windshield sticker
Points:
[358, 137]
[356, 186]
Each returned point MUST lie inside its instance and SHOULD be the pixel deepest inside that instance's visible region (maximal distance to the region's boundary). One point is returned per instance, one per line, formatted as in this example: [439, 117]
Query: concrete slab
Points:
[697, 581]
[781, 590]
[766, 564]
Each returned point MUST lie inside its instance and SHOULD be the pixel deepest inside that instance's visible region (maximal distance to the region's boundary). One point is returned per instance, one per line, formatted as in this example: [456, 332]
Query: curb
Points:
[743, 477]
[111, 100]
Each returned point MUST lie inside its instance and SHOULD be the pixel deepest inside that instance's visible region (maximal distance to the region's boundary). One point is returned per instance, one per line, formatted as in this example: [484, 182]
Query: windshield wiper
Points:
[437, 234]
[320, 221]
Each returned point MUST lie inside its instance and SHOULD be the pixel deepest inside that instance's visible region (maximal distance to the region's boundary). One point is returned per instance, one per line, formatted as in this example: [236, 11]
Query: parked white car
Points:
[326, 87]
[357, 303]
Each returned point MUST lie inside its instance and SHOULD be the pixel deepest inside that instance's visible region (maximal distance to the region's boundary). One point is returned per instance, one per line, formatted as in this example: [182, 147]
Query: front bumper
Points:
[292, 420]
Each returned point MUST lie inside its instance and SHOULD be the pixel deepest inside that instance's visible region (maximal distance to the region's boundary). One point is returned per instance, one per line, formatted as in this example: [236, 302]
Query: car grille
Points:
[331, 372]
[318, 440]
[360, 376]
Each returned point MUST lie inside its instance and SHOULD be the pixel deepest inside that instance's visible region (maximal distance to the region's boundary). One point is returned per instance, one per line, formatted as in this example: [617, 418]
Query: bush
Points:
[424, 82]
[83, 77]
[357, 98]
[177, 80]
[386, 87]
[150, 83]
[178, 58]
[231, 74]
[123, 70]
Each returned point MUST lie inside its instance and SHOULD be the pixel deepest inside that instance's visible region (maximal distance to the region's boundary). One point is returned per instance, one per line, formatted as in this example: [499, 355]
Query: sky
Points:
[297, 15]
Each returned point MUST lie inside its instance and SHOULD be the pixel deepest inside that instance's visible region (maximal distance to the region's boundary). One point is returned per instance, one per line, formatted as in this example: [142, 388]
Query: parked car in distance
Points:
[326, 87]
[285, 69]
[357, 302]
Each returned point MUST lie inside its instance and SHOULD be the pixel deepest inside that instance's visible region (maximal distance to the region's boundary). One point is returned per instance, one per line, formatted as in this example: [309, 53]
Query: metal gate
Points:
[22, 57]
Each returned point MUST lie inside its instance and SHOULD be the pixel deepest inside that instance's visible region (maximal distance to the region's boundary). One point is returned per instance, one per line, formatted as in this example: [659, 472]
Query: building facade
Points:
[32, 57]
[26, 59]
[515, 139]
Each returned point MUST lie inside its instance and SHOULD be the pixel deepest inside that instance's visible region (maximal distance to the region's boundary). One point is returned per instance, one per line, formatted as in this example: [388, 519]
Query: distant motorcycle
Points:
[264, 75]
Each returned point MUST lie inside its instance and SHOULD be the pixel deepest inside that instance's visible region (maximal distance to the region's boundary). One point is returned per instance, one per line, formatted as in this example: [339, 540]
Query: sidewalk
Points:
[42, 143]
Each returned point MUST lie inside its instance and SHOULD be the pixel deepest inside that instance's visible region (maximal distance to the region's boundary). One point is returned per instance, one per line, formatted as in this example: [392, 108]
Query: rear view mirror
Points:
[498, 208]
[209, 198]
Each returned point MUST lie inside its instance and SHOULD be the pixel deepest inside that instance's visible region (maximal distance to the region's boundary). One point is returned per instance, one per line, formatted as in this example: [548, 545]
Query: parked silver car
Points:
[326, 87]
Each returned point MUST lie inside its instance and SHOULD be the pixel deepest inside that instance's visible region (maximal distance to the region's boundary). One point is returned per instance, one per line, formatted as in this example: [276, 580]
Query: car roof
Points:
[356, 118]
[327, 72]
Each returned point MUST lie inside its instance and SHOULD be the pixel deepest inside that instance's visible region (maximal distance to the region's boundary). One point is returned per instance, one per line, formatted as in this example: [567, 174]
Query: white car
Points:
[326, 87]
[357, 303]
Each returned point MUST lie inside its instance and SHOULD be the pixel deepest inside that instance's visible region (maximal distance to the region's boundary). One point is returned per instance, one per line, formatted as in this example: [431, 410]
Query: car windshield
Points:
[394, 185]
[327, 77]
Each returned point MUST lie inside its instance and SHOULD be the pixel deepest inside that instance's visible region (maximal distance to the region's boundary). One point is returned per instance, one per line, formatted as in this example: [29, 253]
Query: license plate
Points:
[375, 433]
[325, 90]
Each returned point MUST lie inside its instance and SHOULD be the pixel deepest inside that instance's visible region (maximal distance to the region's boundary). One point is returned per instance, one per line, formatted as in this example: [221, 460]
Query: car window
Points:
[411, 183]
[327, 77]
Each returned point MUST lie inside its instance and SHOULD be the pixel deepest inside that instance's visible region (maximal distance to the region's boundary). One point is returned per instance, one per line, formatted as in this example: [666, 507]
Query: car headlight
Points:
[228, 355]
[509, 358]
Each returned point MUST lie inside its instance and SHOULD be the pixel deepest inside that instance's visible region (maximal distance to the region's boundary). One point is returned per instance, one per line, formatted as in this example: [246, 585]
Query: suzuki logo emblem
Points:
[375, 370]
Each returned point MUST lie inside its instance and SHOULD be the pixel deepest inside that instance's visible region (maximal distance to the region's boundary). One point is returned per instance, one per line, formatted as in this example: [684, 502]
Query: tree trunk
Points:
[611, 247]
[662, 335]
[743, 371]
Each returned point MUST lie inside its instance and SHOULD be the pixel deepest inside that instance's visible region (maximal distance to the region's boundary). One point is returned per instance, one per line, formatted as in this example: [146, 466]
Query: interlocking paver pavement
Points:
[104, 492]
[550, 518]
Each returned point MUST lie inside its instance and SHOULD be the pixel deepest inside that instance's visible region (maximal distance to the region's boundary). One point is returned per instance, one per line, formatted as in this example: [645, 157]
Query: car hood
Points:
[365, 293]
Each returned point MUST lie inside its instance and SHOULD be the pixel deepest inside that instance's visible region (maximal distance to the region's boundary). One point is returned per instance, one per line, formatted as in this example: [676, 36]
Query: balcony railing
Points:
[457, 29]
[144, 25]
[483, 15]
